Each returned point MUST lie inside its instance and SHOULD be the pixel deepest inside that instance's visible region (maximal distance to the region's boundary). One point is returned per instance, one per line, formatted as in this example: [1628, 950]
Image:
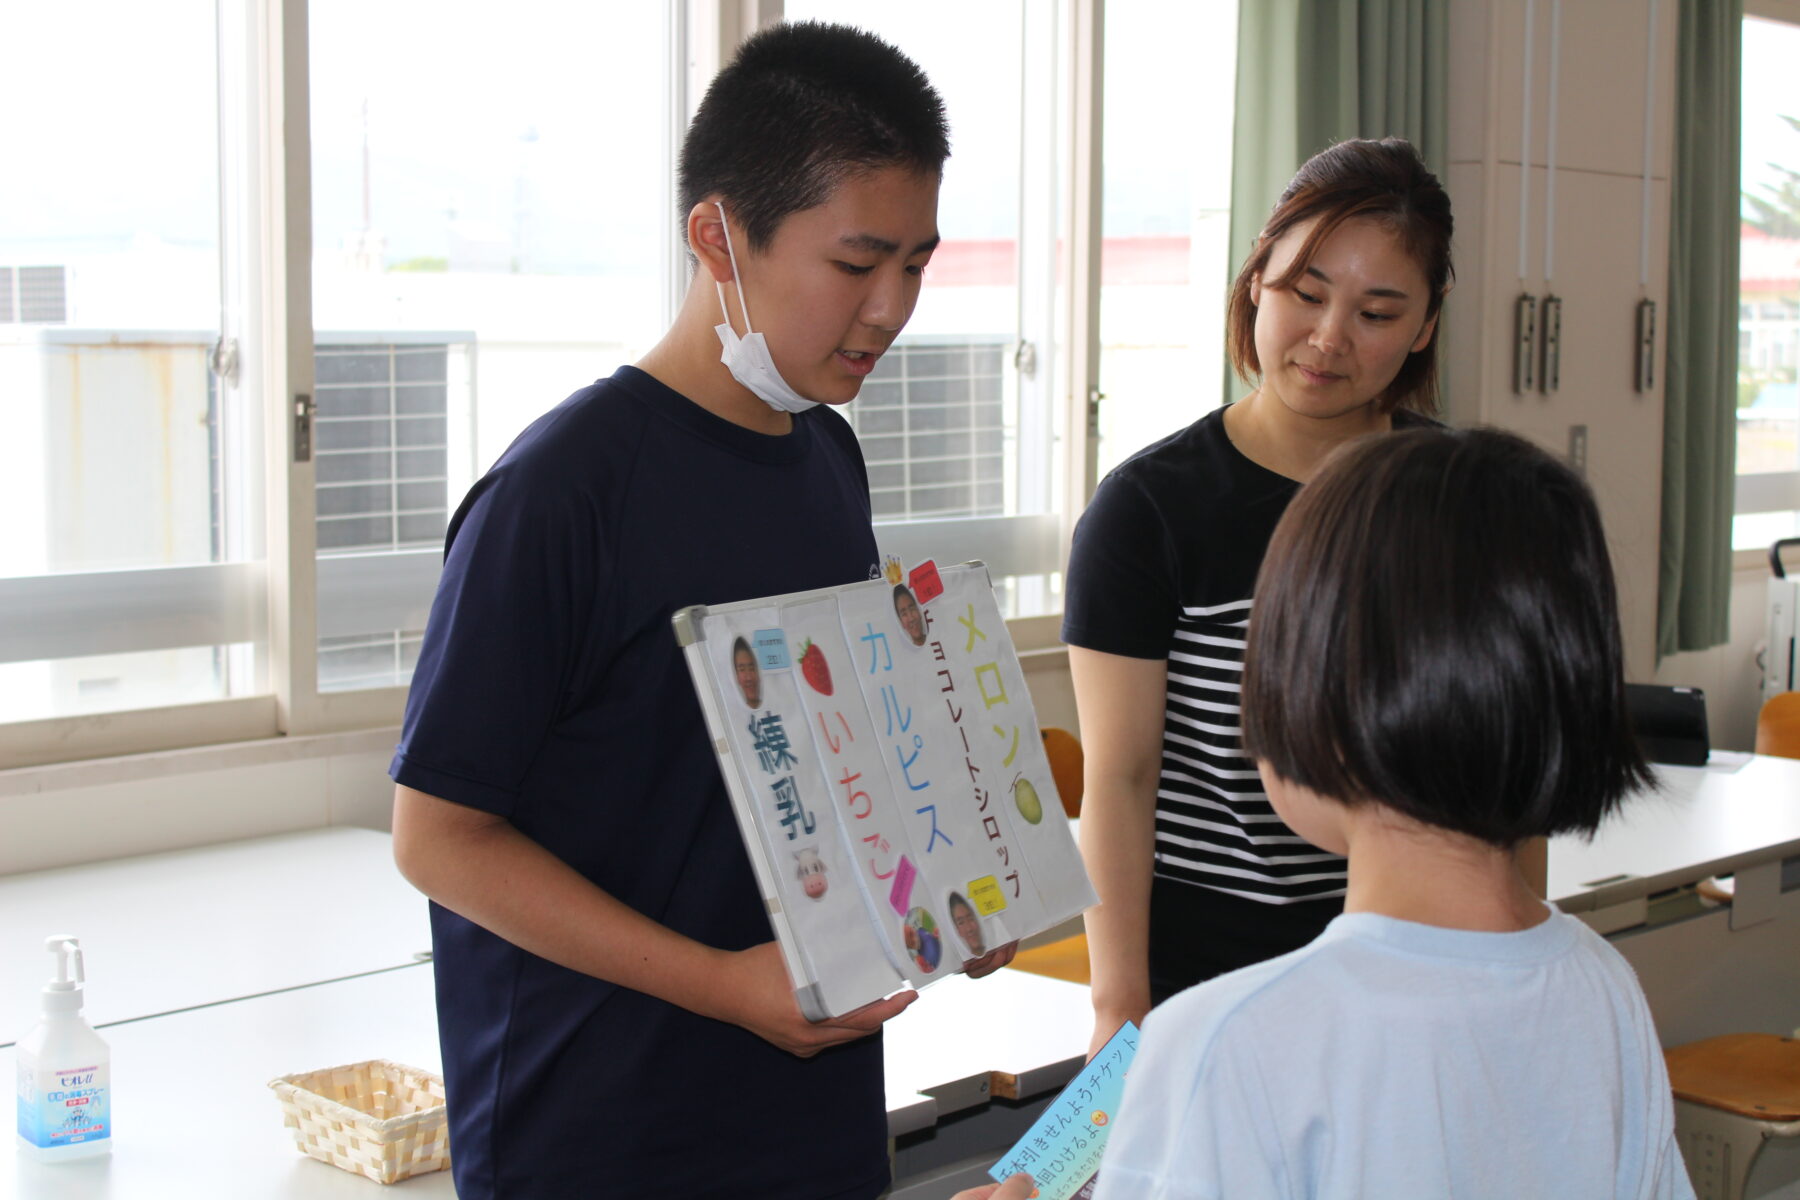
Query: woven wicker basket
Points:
[376, 1118]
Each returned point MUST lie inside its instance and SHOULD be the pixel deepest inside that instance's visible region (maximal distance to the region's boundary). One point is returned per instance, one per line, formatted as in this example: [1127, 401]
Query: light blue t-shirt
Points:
[1394, 1059]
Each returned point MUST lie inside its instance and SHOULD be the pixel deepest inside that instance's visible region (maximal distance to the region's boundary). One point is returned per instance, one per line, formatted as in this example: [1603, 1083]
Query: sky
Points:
[536, 123]
[112, 106]
[1771, 49]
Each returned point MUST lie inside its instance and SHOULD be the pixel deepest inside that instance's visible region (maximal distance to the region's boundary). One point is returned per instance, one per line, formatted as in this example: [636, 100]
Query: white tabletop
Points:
[1734, 813]
[164, 932]
[959, 1032]
[194, 1118]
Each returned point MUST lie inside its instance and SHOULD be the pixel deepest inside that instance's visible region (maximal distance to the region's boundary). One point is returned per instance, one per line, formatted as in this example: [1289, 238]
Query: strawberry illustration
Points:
[812, 665]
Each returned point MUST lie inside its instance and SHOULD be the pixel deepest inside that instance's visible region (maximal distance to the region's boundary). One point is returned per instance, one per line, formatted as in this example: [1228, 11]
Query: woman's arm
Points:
[481, 867]
[1120, 702]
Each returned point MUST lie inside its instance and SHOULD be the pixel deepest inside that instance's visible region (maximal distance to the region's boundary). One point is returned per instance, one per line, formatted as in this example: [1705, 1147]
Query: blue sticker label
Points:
[65, 1108]
[771, 649]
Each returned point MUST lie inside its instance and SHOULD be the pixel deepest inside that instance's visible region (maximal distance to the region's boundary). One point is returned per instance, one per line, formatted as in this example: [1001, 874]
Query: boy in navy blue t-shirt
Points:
[615, 1019]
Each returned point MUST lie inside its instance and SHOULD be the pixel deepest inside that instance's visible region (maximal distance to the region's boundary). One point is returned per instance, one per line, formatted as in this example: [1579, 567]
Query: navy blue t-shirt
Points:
[551, 692]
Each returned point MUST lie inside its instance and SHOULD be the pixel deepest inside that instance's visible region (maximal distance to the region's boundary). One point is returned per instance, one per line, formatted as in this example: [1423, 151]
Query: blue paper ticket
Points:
[1062, 1151]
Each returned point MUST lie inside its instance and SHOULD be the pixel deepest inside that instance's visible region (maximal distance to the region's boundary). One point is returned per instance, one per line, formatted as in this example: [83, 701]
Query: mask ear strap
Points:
[736, 276]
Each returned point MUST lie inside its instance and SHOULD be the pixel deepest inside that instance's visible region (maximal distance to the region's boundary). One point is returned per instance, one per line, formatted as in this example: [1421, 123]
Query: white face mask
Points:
[747, 357]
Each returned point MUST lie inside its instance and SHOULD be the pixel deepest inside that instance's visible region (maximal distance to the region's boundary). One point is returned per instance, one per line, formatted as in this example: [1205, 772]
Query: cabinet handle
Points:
[1646, 345]
[1551, 376]
[1524, 343]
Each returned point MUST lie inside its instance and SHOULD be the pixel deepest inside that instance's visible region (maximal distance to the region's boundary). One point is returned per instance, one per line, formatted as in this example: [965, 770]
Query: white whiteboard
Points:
[887, 772]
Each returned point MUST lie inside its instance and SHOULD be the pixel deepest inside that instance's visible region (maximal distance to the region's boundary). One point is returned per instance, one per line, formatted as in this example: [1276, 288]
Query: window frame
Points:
[266, 229]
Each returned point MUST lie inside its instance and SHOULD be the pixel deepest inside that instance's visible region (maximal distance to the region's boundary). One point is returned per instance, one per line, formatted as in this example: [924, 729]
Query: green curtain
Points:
[1314, 72]
[1700, 375]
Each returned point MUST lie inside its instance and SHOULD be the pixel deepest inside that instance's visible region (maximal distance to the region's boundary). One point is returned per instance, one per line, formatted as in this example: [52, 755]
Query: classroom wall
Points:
[1597, 234]
[144, 803]
[1605, 59]
[1730, 675]
[1052, 694]
[141, 804]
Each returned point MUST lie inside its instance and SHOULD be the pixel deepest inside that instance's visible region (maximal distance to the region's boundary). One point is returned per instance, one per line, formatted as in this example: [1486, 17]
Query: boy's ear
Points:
[706, 238]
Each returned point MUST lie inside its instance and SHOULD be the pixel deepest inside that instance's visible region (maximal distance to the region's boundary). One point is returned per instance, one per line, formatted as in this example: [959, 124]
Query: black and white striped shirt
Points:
[1214, 825]
[1163, 566]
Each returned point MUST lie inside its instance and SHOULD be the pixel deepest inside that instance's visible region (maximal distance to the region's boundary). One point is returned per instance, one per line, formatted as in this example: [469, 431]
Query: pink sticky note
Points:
[901, 896]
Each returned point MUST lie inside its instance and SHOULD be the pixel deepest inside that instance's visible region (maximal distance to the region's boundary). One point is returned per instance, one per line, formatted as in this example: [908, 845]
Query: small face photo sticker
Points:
[968, 925]
[749, 678]
[907, 609]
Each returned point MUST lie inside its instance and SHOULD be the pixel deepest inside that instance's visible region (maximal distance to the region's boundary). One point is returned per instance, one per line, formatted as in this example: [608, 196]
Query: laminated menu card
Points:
[888, 776]
[1062, 1151]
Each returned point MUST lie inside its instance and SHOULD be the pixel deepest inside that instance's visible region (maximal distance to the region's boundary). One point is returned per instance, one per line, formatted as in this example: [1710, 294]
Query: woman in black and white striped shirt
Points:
[1334, 315]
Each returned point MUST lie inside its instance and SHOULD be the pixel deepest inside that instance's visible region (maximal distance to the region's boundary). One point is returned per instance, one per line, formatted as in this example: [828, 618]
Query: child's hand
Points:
[757, 995]
[1017, 1187]
[990, 962]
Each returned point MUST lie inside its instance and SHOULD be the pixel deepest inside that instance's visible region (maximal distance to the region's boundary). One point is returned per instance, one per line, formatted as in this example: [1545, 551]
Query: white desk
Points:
[1705, 972]
[194, 1118]
[1702, 821]
[225, 976]
[948, 1047]
[165, 932]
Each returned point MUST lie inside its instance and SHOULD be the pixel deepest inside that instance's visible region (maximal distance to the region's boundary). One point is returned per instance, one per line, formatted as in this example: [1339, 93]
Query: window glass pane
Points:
[130, 473]
[481, 250]
[950, 428]
[1164, 268]
[940, 412]
[114, 682]
[1768, 397]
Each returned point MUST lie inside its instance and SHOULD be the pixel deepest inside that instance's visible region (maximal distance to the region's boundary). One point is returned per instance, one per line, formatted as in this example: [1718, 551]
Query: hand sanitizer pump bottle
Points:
[65, 1071]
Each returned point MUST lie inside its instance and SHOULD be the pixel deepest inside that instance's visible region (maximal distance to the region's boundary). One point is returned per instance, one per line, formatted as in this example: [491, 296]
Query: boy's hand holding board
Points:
[761, 999]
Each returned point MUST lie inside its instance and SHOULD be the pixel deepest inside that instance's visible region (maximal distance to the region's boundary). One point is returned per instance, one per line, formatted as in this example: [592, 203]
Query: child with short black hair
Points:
[1433, 675]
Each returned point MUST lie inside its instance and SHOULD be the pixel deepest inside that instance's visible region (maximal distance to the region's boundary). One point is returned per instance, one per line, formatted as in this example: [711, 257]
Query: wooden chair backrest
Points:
[1063, 749]
[1778, 726]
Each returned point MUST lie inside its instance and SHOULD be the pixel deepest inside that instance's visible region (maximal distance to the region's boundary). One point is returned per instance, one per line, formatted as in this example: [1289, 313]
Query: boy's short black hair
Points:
[801, 108]
[1435, 627]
